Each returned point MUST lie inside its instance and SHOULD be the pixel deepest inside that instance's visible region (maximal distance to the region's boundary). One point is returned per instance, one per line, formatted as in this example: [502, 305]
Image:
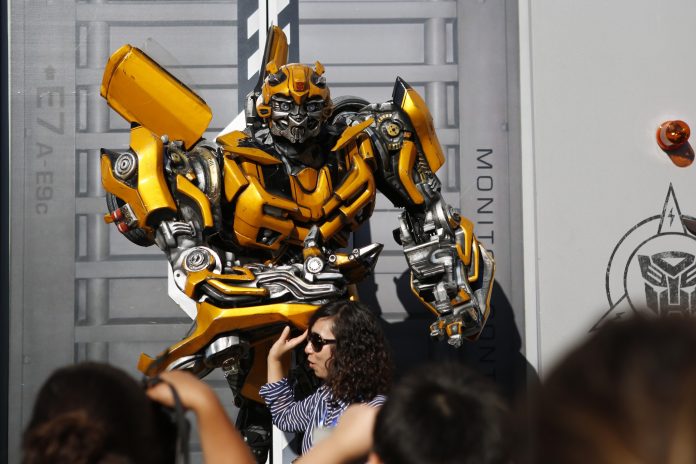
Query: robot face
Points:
[296, 100]
[294, 122]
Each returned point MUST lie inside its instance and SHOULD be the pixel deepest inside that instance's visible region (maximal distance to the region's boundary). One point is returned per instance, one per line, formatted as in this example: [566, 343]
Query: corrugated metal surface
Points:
[81, 291]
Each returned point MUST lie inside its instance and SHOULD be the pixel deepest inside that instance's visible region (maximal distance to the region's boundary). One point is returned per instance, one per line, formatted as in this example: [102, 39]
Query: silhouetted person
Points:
[626, 395]
[442, 414]
[93, 413]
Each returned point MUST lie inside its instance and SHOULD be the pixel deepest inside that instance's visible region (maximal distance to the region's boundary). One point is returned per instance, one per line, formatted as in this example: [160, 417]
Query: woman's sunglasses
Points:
[318, 342]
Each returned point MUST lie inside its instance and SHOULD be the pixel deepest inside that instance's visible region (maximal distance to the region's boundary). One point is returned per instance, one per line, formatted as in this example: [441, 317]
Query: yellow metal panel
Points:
[152, 192]
[333, 203]
[236, 289]
[350, 185]
[230, 143]
[250, 217]
[350, 133]
[193, 279]
[185, 186]
[246, 235]
[329, 228]
[123, 191]
[299, 234]
[152, 185]
[308, 178]
[258, 374]
[312, 202]
[297, 85]
[212, 321]
[360, 181]
[251, 169]
[234, 178]
[354, 180]
[359, 175]
[278, 51]
[465, 240]
[270, 199]
[475, 251]
[422, 121]
[366, 151]
[407, 158]
[141, 91]
[363, 200]
[461, 297]
[367, 196]
[240, 275]
[303, 214]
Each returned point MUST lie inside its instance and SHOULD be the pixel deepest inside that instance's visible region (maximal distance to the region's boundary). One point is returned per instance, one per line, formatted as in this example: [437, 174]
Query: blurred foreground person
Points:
[627, 395]
[350, 441]
[442, 414]
[94, 413]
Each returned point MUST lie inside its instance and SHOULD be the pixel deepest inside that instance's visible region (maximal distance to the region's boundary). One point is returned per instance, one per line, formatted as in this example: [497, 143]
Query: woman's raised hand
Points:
[282, 346]
[285, 344]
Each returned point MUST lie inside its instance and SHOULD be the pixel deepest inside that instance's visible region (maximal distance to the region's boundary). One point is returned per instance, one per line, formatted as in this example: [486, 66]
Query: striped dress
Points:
[320, 409]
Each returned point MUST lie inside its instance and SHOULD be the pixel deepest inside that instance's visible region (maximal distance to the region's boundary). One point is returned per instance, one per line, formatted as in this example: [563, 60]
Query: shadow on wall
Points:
[496, 354]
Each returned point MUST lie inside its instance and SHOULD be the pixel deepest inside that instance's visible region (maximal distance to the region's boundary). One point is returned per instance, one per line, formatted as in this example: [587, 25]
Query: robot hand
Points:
[451, 272]
[466, 322]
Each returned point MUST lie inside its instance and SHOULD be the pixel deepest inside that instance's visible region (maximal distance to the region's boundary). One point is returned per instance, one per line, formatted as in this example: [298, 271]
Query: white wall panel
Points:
[599, 79]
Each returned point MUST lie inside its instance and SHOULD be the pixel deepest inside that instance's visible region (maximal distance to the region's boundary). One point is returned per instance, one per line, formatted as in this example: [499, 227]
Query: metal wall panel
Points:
[81, 291]
[85, 292]
[596, 182]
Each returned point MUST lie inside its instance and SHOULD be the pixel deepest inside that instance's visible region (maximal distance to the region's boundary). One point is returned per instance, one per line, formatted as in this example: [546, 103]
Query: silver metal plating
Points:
[126, 165]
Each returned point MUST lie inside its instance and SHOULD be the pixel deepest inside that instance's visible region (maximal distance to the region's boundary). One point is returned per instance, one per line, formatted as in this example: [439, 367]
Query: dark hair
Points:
[626, 395]
[442, 414]
[95, 413]
[360, 367]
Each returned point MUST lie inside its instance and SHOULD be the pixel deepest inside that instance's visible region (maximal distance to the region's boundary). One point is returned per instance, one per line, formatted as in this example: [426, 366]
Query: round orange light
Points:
[682, 157]
[672, 135]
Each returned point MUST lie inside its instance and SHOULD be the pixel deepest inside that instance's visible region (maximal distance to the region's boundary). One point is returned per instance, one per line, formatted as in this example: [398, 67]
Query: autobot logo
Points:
[670, 282]
[652, 270]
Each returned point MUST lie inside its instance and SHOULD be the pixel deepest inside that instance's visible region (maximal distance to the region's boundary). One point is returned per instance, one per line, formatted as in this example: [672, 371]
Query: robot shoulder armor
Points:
[351, 132]
[239, 144]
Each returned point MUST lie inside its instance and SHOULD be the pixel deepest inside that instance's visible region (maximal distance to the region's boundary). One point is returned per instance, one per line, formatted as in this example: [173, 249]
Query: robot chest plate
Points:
[278, 207]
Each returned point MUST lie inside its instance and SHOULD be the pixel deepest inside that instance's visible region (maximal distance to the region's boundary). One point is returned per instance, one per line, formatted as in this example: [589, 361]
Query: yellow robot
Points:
[255, 223]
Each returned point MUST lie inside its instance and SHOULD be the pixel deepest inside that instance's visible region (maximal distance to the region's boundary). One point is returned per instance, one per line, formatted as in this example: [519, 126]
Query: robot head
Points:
[296, 101]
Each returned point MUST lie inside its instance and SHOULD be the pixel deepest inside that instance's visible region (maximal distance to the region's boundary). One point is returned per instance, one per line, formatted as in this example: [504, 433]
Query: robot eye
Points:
[285, 106]
[311, 107]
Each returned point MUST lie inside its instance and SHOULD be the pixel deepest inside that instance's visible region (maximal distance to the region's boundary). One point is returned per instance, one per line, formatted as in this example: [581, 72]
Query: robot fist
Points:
[463, 322]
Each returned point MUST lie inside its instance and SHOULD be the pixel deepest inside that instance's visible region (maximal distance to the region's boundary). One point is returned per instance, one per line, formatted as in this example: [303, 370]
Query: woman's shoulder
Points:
[377, 401]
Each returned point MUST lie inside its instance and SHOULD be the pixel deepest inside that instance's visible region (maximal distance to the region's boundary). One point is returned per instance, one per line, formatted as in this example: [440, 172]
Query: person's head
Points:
[346, 348]
[441, 414]
[626, 395]
[94, 413]
[295, 100]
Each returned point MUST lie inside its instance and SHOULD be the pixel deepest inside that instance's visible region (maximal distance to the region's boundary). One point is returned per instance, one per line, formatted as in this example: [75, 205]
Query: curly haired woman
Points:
[347, 351]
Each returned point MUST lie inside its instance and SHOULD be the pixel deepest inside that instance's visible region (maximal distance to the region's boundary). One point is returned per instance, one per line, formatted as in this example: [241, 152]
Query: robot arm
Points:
[160, 193]
[168, 192]
[451, 272]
